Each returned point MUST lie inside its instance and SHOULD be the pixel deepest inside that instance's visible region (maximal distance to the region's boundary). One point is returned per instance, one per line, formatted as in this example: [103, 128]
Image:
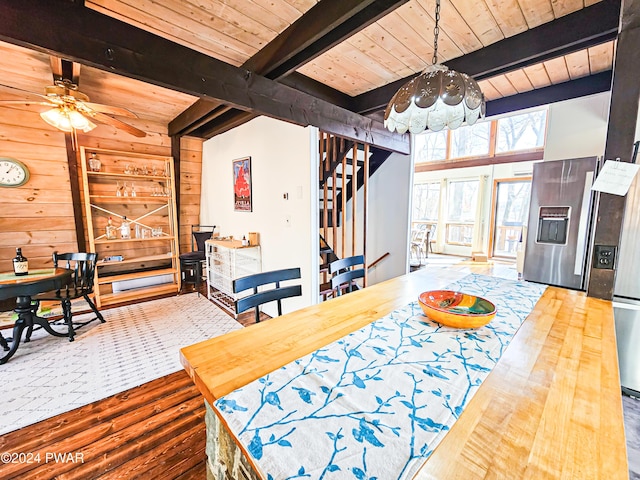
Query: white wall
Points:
[389, 216]
[577, 128]
[283, 160]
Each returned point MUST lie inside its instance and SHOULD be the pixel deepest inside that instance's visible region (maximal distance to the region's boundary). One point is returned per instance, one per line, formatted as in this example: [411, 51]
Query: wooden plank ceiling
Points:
[358, 69]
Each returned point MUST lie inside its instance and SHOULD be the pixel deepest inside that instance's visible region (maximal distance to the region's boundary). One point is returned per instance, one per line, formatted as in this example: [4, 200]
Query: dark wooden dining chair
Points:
[191, 262]
[345, 274]
[83, 266]
[277, 293]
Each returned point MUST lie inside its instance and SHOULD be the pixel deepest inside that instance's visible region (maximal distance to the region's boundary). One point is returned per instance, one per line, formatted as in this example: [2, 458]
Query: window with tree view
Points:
[508, 135]
[461, 211]
[426, 202]
[521, 132]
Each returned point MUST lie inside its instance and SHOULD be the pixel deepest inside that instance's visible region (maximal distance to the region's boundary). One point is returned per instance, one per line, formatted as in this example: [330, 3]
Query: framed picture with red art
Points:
[242, 185]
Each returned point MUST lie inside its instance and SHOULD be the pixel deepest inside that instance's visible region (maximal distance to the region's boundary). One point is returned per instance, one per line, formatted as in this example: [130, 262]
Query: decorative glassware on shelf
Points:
[110, 230]
[125, 190]
[156, 232]
[119, 189]
[94, 162]
[133, 190]
[125, 229]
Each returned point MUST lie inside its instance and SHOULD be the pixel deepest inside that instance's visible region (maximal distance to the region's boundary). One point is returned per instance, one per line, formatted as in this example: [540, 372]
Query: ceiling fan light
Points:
[67, 120]
[79, 121]
[57, 118]
[90, 126]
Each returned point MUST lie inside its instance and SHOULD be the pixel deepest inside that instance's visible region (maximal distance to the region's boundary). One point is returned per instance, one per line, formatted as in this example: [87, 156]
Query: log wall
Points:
[39, 216]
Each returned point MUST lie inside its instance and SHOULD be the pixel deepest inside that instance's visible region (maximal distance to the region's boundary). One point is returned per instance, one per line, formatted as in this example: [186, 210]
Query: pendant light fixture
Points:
[435, 99]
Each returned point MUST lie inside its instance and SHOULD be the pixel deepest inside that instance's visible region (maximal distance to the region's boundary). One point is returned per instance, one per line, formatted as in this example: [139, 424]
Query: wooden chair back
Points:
[83, 266]
[277, 293]
[344, 273]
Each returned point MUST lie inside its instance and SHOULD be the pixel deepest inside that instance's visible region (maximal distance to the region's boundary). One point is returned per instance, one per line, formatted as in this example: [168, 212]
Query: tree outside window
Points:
[521, 132]
[426, 201]
[471, 141]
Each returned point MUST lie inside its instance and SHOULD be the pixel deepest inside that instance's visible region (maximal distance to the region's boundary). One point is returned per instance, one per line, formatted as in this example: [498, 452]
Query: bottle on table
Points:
[245, 242]
[20, 263]
[125, 229]
[110, 230]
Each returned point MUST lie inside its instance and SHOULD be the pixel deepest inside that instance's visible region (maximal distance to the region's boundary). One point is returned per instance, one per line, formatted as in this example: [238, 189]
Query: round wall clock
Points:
[13, 173]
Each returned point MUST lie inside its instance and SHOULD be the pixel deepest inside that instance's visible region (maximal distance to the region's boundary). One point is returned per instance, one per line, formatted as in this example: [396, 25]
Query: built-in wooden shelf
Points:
[137, 199]
[120, 240]
[137, 293]
[149, 211]
[135, 275]
[145, 259]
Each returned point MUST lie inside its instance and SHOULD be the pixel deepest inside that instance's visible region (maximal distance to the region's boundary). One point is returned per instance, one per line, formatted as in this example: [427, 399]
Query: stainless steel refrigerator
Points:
[627, 293]
[560, 219]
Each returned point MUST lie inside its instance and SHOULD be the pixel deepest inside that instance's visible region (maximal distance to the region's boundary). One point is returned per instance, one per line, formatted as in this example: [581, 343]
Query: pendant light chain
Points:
[437, 98]
[436, 31]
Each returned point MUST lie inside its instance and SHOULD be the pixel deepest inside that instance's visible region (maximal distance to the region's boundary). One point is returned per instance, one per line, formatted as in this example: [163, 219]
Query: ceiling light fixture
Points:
[436, 98]
[67, 119]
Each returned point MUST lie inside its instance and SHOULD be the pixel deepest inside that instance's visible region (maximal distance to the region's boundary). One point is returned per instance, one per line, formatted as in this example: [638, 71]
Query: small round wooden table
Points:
[23, 287]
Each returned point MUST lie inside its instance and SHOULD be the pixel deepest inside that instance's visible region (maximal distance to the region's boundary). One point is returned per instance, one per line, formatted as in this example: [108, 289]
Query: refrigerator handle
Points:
[583, 224]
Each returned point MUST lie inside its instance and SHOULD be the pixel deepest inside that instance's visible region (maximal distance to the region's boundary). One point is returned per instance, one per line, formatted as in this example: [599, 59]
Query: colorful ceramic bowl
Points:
[457, 309]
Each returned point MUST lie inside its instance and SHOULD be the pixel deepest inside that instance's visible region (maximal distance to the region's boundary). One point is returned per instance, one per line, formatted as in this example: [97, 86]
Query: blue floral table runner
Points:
[375, 404]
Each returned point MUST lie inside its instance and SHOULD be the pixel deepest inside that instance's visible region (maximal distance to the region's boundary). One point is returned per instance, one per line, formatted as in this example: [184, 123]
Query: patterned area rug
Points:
[137, 344]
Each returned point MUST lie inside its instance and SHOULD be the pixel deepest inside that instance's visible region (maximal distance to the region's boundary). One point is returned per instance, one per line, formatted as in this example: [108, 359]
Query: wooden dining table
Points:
[550, 408]
[23, 287]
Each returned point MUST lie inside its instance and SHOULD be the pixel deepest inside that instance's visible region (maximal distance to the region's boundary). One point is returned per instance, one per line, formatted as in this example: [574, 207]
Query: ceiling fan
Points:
[71, 109]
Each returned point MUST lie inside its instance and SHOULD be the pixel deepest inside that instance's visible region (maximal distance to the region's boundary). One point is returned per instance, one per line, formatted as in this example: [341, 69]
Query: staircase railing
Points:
[342, 163]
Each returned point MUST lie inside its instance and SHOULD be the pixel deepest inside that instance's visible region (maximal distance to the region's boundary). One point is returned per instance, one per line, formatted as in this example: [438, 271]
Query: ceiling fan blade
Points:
[27, 92]
[98, 107]
[25, 102]
[102, 118]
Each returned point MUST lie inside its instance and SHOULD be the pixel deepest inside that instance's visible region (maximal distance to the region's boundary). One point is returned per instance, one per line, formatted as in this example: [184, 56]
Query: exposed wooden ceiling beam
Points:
[326, 24]
[228, 121]
[580, 87]
[67, 29]
[587, 27]
[334, 21]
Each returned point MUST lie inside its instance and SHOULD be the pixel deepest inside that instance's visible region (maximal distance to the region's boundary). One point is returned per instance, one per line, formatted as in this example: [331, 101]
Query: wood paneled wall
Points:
[190, 185]
[38, 216]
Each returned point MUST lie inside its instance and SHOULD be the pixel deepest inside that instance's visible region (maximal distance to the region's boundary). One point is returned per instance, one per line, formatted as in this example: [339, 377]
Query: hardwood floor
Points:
[153, 431]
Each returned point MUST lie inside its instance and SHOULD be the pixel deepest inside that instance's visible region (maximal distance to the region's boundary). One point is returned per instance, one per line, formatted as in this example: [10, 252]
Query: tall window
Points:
[431, 147]
[521, 132]
[471, 141]
[426, 201]
[461, 211]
